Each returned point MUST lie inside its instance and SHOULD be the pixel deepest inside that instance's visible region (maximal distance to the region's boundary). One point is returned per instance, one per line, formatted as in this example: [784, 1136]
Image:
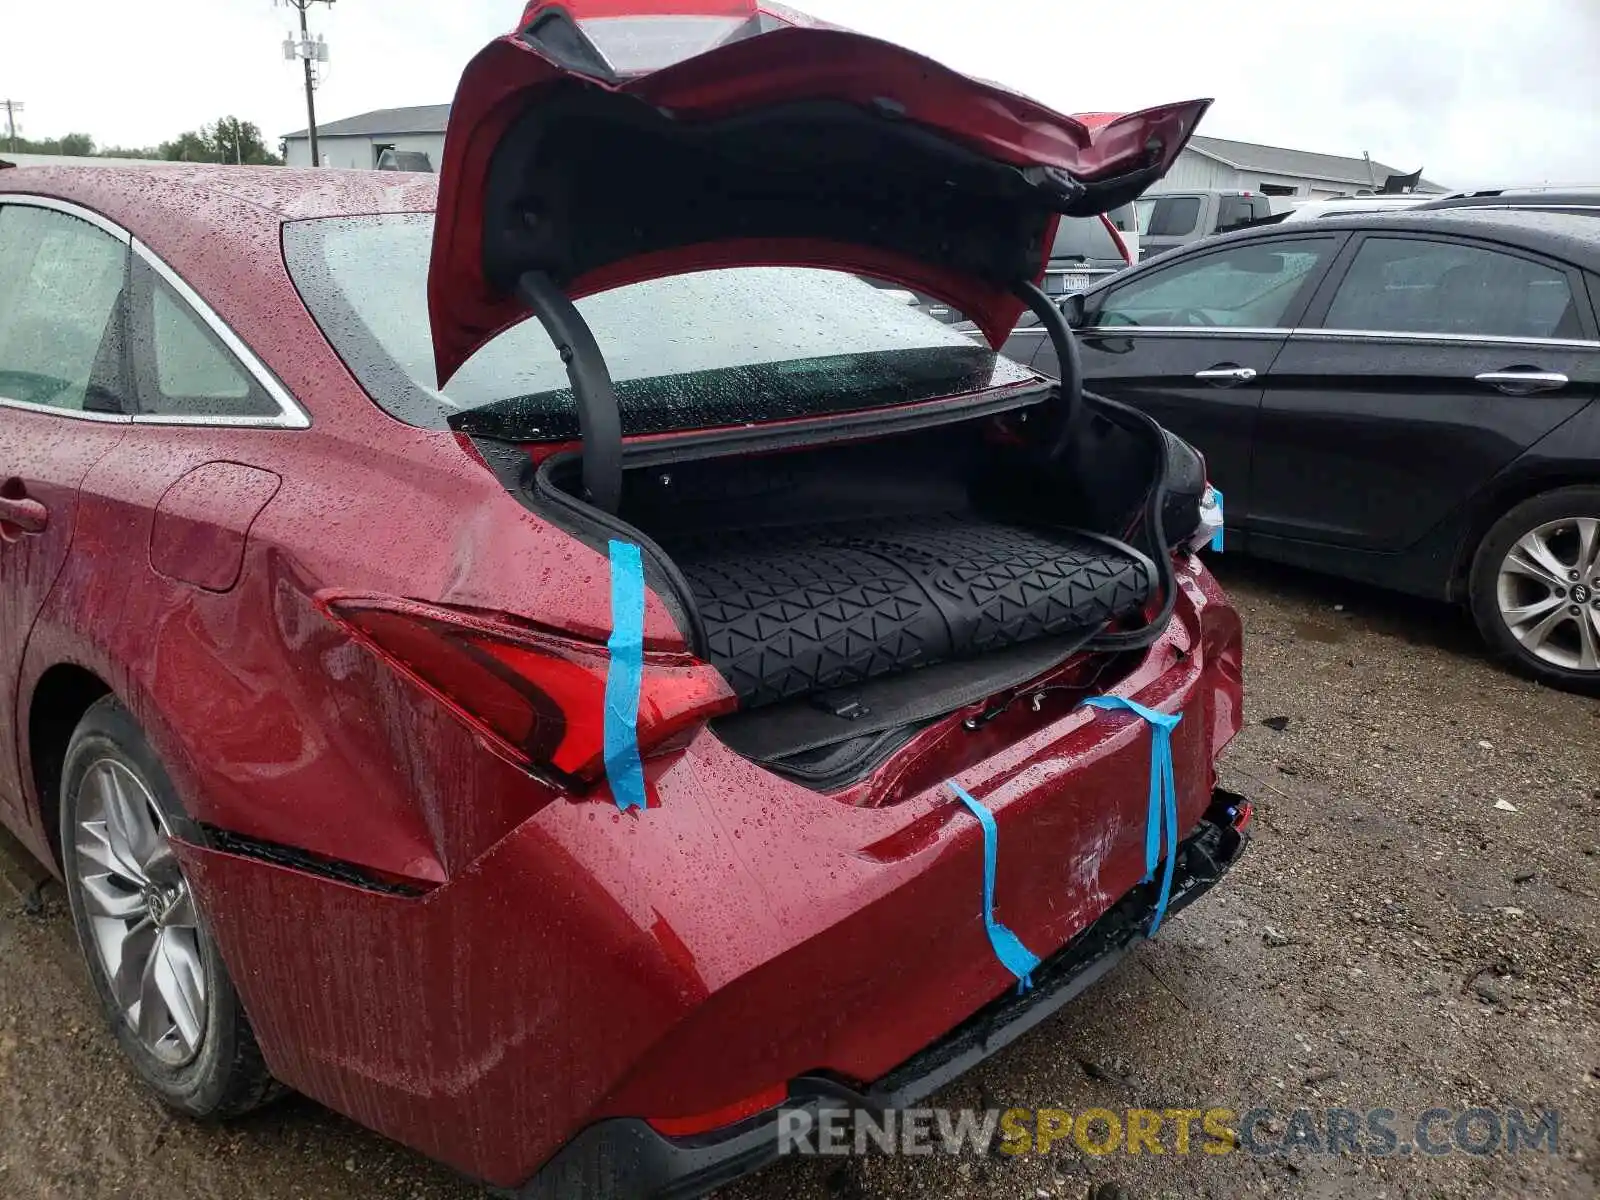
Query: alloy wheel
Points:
[1548, 591]
[140, 913]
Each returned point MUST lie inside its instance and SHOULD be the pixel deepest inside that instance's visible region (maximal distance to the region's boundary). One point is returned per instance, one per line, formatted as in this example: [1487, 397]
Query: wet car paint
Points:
[597, 964]
[562, 963]
[200, 526]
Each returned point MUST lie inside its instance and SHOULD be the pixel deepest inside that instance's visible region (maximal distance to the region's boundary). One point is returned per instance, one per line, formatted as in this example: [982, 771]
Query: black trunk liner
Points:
[803, 609]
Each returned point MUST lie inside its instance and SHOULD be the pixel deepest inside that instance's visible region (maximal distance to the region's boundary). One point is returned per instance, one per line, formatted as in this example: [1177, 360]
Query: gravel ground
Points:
[1395, 938]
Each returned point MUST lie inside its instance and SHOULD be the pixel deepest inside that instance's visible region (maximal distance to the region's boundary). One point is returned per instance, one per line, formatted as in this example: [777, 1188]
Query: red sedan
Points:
[566, 681]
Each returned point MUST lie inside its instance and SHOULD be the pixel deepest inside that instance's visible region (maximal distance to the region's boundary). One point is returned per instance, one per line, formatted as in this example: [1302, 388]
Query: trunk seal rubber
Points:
[856, 426]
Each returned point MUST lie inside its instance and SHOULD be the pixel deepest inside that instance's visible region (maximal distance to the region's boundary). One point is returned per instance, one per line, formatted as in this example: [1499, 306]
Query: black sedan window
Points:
[1409, 285]
[1249, 286]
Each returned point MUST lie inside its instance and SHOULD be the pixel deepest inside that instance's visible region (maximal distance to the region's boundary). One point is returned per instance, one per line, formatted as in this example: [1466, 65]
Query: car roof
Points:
[1572, 237]
[1400, 201]
[1201, 192]
[194, 214]
[221, 228]
[188, 191]
[1522, 198]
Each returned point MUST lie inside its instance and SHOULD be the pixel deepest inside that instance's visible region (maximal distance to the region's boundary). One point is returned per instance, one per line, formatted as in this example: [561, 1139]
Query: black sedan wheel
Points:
[1535, 587]
[155, 970]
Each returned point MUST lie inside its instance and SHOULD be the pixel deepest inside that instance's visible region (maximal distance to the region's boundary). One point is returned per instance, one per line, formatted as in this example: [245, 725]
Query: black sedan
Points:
[1405, 399]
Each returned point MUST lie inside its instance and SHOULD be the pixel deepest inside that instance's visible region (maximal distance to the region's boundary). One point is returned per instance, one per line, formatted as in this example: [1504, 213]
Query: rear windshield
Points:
[1086, 240]
[713, 348]
[635, 45]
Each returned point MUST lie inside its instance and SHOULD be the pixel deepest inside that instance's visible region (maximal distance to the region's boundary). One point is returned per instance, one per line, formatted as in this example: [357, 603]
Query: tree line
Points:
[227, 140]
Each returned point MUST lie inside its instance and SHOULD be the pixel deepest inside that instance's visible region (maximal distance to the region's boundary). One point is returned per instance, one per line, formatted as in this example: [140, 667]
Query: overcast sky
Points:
[1474, 91]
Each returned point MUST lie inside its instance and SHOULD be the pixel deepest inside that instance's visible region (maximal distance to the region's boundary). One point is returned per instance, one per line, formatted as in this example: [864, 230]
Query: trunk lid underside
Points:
[785, 144]
[858, 589]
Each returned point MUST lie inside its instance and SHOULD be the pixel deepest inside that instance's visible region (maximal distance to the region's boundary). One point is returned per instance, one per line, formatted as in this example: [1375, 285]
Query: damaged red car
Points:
[566, 668]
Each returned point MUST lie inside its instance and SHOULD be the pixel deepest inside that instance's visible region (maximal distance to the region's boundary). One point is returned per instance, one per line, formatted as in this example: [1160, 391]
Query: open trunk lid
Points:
[600, 146]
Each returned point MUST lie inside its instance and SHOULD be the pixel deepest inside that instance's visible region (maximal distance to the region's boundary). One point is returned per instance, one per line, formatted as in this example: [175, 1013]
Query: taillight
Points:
[538, 698]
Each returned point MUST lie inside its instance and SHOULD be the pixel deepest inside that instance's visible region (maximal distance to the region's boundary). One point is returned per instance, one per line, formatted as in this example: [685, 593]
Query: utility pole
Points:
[13, 107]
[310, 53]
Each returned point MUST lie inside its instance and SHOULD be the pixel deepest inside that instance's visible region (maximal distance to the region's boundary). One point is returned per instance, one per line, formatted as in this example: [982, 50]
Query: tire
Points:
[120, 872]
[1529, 607]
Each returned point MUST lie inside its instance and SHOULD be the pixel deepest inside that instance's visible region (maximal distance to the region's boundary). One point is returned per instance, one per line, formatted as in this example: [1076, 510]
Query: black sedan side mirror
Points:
[1072, 308]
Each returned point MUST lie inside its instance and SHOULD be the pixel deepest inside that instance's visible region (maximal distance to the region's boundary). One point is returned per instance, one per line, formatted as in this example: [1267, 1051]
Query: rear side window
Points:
[1085, 239]
[1174, 216]
[182, 367]
[1409, 285]
[1242, 287]
[1233, 212]
[60, 280]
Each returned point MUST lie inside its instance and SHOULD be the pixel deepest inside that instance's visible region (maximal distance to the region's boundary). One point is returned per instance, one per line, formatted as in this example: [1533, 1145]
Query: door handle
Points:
[22, 518]
[1225, 376]
[1524, 383]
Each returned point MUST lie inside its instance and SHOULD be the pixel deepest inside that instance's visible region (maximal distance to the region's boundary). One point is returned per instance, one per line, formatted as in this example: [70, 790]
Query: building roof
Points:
[1303, 164]
[421, 118]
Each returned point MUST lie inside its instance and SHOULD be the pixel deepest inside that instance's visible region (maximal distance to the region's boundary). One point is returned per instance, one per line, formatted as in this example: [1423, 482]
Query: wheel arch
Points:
[1495, 501]
[63, 693]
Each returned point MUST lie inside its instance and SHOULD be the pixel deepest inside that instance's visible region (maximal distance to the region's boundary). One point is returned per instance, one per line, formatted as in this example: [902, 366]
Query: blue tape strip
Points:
[1161, 812]
[1222, 513]
[1008, 948]
[624, 677]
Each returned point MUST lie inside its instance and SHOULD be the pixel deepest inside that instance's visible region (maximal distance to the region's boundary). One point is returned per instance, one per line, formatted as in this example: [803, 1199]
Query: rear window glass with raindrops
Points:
[709, 349]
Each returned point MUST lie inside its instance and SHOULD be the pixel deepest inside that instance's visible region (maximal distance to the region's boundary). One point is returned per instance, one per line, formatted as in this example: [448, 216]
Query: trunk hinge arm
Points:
[599, 422]
[1065, 342]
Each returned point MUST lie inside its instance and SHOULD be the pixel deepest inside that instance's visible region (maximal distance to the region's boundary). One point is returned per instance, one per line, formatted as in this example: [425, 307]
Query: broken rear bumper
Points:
[690, 964]
[626, 1159]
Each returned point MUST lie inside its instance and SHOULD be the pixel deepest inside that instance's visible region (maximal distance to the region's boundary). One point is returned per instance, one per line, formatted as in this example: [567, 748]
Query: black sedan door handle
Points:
[1226, 375]
[1523, 381]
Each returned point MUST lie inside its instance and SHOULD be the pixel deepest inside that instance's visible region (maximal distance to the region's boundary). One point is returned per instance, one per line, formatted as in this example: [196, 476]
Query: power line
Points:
[310, 53]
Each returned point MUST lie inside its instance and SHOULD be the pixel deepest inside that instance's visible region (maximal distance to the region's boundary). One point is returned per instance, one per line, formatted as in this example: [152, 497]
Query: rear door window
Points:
[1250, 286]
[60, 280]
[1415, 285]
[1174, 216]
